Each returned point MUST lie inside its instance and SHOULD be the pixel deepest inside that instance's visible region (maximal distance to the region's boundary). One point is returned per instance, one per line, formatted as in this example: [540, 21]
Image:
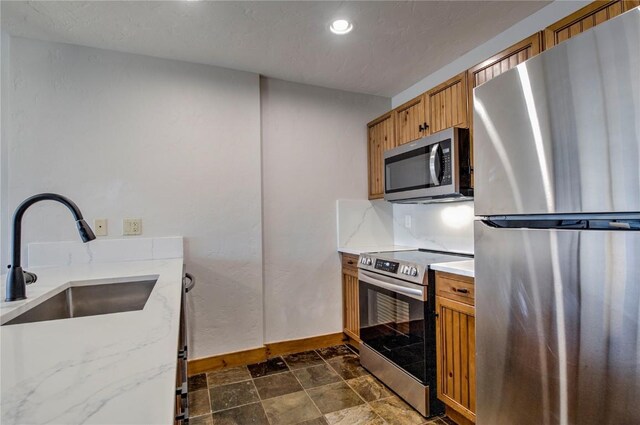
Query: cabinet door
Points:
[496, 65]
[455, 350]
[589, 16]
[447, 105]
[504, 61]
[381, 138]
[351, 311]
[411, 120]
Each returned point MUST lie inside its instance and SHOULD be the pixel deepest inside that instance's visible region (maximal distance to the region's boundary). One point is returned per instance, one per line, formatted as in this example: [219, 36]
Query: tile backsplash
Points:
[443, 226]
[364, 223]
[440, 226]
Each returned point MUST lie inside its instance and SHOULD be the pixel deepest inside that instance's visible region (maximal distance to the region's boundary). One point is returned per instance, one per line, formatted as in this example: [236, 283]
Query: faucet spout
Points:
[17, 279]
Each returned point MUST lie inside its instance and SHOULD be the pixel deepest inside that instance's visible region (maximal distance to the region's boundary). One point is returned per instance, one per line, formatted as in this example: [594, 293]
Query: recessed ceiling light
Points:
[341, 26]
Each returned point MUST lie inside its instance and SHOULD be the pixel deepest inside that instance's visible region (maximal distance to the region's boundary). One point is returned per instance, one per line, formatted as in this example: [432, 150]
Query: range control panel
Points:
[410, 271]
[387, 266]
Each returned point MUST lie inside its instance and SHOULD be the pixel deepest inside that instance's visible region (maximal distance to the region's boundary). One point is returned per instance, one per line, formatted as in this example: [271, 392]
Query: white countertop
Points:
[357, 250]
[107, 369]
[464, 268]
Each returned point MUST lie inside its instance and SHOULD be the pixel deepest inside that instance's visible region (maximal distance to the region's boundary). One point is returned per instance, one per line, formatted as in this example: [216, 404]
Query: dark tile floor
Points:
[320, 387]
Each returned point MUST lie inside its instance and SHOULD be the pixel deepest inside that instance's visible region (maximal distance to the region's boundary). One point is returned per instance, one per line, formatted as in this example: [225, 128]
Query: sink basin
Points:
[90, 300]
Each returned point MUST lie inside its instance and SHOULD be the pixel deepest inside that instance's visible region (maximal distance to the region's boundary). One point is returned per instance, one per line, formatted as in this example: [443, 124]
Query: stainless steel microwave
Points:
[436, 168]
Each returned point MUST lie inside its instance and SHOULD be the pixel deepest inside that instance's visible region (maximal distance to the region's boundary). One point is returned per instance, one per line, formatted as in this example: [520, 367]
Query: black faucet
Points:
[17, 279]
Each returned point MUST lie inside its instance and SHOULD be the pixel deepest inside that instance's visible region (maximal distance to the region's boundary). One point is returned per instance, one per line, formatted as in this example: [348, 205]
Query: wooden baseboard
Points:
[260, 354]
[457, 417]
[351, 340]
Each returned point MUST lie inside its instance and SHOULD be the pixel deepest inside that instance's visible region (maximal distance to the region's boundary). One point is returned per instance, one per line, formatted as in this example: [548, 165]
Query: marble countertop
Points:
[357, 250]
[464, 268]
[113, 368]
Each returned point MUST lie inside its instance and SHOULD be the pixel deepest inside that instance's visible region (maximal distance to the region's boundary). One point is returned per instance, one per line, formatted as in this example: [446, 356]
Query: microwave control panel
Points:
[446, 162]
[387, 266]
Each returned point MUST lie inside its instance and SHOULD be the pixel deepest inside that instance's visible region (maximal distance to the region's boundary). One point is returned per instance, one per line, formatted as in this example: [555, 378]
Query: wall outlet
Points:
[407, 221]
[100, 227]
[131, 226]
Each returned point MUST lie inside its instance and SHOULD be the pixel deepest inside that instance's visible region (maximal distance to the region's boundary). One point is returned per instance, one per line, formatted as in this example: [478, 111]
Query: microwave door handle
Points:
[417, 294]
[432, 164]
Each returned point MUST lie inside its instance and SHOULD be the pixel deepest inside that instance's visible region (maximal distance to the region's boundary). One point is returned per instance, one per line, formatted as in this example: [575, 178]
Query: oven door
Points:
[392, 321]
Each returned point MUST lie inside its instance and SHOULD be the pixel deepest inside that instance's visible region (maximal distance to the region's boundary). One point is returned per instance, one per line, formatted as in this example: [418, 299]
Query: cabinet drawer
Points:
[455, 287]
[350, 262]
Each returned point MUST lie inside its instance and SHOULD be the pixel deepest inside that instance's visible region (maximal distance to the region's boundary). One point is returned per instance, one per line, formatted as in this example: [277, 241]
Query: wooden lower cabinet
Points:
[350, 297]
[456, 344]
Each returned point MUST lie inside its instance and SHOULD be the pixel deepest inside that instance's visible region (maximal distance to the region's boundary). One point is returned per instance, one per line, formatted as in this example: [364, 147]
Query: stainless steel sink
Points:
[90, 300]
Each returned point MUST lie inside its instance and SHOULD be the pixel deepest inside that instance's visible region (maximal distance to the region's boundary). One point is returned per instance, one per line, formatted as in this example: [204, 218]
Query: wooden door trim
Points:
[379, 119]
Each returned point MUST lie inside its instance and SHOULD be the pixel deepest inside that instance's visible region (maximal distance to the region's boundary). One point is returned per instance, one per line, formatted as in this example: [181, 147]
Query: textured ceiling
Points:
[393, 44]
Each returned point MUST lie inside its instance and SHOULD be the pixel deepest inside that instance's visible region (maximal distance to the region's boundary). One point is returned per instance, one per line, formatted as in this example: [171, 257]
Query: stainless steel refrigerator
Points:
[557, 237]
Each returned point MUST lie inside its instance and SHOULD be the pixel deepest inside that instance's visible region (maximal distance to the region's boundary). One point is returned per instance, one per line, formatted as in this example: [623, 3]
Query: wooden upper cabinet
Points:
[589, 16]
[381, 133]
[411, 120]
[446, 105]
[504, 61]
[499, 63]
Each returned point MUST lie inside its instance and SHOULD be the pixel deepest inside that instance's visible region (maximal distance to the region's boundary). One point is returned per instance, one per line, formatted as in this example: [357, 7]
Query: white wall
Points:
[314, 150]
[173, 143]
[523, 29]
[179, 145]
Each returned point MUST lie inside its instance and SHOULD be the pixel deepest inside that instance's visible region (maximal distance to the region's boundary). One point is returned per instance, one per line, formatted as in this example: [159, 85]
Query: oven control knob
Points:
[414, 271]
[369, 261]
[406, 270]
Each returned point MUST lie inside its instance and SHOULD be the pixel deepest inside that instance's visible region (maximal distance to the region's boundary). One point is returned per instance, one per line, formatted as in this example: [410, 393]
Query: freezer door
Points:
[557, 331]
[560, 133]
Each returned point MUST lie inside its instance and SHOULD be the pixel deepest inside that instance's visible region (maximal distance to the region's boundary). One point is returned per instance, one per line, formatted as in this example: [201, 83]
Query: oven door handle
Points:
[382, 282]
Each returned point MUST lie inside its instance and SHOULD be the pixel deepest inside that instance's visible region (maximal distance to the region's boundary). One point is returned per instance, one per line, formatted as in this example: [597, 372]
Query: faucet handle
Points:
[29, 277]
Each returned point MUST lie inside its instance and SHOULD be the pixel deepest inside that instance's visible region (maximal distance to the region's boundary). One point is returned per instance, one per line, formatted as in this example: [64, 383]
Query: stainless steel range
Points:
[397, 322]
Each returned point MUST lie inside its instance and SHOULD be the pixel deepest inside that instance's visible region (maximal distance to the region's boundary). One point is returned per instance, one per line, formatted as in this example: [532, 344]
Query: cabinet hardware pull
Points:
[349, 262]
[461, 290]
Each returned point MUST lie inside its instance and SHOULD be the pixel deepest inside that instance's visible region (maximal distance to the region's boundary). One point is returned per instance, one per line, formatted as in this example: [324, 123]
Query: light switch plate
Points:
[100, 227]
[407, 221]
[131, 226]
